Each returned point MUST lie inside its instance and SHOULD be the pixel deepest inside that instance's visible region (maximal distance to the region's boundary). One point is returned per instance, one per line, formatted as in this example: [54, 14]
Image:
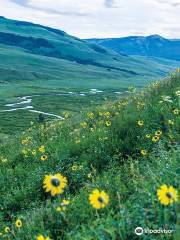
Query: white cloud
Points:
[100, 18]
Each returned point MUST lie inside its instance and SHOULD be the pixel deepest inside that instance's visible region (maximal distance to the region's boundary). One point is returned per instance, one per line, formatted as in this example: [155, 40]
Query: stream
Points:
[25, 103]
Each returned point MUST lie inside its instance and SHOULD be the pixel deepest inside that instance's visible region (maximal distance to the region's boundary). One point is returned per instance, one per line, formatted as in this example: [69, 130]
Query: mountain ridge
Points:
[152, 45]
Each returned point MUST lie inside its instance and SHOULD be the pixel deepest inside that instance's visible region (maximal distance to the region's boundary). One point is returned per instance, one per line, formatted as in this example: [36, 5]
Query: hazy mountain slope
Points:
[40, 40]
[154, 45]
[45, 41]
[35, 58]
[17, 66]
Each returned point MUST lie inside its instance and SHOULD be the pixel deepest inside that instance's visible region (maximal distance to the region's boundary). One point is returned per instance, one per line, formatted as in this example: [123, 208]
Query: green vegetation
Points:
[27, 49]
[13, 122]
[129, 148]
[30, 76]
[36, 59]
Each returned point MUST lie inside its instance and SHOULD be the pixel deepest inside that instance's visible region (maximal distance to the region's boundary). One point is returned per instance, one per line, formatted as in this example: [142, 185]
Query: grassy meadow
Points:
[39, 60]
[56, 102]
[99, 174]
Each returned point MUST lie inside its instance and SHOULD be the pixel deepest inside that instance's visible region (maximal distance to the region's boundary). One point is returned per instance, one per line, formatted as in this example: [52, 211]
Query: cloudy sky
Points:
[100, 18]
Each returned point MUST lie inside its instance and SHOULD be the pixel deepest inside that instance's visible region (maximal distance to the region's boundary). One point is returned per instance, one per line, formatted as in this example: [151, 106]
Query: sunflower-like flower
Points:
[155, 138]
[41, 237]
[43, 158]
[90, 115]
[140, 123]
[148, 135]
[107, 114]
[55, 184]
[143, 152]
[158, 133]
[18, 223]
[7, 229]
[98, 199]
[42, 149]
[176, 111]
[108, 123]
[74, 167]
[167, 195]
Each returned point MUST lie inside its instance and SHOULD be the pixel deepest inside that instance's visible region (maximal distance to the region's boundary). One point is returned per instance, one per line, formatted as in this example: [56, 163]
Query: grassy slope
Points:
[112, 156]
[71, 62]
[27, 74]
[35, 59]
[23, 70]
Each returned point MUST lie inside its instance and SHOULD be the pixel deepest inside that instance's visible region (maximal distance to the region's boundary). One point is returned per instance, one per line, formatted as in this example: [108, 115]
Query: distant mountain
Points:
[46, 41]
[154, 46]
[34, 52]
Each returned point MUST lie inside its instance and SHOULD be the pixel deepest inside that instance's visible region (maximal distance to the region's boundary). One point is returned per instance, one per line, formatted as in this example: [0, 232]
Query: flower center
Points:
[169, 195]
[100, 199]
[55, 182]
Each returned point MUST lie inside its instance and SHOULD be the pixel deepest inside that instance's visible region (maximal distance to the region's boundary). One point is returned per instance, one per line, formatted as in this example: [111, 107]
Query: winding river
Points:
[25, 103]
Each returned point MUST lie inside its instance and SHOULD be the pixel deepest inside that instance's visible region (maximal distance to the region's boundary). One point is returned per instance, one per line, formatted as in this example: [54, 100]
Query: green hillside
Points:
[27, 49]
[118, 166]
[38, 61]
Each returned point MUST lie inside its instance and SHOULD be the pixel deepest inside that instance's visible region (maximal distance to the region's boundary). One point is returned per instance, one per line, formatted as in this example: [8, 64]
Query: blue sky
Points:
[100, 18]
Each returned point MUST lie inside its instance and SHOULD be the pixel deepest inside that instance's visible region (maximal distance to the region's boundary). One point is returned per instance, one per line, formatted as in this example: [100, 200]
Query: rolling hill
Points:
[54, 68]
[153, 46]
[34, 52]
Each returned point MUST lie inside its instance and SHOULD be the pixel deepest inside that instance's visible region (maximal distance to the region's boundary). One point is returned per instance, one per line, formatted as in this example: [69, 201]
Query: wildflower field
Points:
[99, 175]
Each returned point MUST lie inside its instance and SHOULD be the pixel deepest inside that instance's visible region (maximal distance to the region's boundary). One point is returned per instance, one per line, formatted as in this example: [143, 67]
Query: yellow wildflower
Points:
[158, 133]
[176, 111]
[90, 115]
[7, 229]
[167, 195]
[55, 184]
[108, 123]
[140, 123]
[43, 158]
[74, 167]
[148, 135]
[18, 223]
[155, 138]
[98, 199]
[42, 149]
[143, 152]
[84, 124]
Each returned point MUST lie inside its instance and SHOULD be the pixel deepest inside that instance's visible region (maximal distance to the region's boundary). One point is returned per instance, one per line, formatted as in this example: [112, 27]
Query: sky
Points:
[99, 18]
